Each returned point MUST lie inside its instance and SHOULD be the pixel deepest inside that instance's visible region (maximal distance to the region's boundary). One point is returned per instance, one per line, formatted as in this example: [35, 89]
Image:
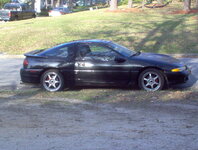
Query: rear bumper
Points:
[178, 77]
[30, 75]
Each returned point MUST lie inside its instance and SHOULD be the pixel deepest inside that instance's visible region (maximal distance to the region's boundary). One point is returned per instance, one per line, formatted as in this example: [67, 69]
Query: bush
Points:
[125, 2]
[80, 8]
[2, 2]
[44, 12]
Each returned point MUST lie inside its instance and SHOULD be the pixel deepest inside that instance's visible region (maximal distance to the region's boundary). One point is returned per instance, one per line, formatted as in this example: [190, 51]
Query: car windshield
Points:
[11, 7]
[121, 49]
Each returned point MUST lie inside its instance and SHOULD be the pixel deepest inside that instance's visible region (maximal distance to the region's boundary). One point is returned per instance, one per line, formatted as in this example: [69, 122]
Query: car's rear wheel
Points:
[52, 80]
[151, 80]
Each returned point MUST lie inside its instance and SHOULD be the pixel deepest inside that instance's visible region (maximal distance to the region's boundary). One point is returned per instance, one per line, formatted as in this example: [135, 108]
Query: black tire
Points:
[151, 80]
[52, 80]
[16, 18]
[34, 16]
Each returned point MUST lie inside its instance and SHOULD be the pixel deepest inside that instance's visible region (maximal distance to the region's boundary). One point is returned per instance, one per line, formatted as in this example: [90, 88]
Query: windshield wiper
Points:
[136, 54]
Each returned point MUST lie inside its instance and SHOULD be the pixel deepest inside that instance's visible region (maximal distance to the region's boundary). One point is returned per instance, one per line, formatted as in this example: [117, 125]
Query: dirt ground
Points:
[70, 124]
[127, 120]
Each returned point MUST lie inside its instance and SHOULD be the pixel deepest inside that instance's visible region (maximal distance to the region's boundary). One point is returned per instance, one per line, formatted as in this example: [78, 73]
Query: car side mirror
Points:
[119, 59]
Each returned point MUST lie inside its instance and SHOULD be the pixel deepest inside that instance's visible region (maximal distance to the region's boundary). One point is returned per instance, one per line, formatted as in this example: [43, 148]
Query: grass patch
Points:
[101, 95]
[152, 30]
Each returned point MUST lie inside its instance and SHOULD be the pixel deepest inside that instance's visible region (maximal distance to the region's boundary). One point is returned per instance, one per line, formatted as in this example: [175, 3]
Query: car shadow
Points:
[79, 88]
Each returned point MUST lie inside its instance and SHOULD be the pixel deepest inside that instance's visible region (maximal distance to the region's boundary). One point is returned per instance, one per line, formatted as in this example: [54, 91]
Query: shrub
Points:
[2, 2]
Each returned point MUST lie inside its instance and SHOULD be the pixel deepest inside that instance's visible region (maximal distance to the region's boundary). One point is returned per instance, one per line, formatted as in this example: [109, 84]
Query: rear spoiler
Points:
[34, 52]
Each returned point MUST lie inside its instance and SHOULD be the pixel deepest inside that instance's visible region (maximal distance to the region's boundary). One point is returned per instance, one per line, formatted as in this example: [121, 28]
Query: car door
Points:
[97, 64]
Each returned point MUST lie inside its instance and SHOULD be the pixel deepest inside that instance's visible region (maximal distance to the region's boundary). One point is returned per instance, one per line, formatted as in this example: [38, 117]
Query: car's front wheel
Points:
[52, 80]
[151, 80]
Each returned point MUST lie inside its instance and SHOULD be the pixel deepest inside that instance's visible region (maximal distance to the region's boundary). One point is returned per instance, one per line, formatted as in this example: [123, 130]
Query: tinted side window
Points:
[102, 52]
[96, 52]
[62, 52]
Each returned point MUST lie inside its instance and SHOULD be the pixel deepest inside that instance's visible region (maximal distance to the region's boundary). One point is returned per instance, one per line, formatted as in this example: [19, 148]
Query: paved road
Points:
[10, 77]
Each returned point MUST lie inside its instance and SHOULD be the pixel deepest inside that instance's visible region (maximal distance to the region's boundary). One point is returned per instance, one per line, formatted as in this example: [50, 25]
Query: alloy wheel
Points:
[52, 81]
[151, 81]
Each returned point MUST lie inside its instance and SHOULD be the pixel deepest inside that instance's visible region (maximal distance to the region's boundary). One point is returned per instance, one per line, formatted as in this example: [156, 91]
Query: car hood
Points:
[158, 58]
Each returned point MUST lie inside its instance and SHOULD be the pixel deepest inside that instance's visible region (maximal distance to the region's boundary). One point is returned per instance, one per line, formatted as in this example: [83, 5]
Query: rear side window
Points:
[59, 51]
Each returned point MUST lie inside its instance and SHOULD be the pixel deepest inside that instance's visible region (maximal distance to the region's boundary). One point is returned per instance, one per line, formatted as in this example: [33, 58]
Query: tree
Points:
[2, 2]
[187, 5]
[57, 3]
[113, 4]
[196, 4]
[130, 3]
[70, 4]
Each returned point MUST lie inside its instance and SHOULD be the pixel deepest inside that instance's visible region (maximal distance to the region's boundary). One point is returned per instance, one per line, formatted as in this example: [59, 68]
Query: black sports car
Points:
[100, 63]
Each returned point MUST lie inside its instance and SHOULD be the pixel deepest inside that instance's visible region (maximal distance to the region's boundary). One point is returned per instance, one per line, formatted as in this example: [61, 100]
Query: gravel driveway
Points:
[33, 124]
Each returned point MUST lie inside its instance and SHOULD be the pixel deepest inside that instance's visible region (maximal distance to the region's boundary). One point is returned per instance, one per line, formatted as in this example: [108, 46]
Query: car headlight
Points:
[178, 69]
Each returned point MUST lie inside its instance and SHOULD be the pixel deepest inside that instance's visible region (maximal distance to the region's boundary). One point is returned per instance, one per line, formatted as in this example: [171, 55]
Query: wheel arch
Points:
[153, 67]
[61, 77]
[46, 69]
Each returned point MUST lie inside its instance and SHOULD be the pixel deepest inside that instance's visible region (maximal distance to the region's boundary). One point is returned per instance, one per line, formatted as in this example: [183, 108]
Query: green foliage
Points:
[80, 8]
[2, 2]
[125, 2]
[44, 12]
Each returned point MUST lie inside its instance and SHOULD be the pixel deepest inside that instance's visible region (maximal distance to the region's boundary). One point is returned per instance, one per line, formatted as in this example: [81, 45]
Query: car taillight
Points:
[50, 11]
[9, 14]
[25, 63]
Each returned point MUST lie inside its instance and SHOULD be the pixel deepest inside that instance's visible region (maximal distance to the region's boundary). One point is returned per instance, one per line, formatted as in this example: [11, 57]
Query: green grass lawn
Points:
[153, 30]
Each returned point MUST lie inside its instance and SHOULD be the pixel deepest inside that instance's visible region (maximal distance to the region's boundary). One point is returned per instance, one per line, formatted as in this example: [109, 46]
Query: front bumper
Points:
[31, 75]
[178, 77]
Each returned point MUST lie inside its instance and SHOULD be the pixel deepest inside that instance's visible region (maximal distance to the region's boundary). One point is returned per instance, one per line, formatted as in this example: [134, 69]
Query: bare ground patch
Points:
[51, 122]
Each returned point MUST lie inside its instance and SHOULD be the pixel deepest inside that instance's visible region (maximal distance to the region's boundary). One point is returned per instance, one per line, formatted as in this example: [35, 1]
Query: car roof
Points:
[81, 41]
[15, 4]
[90, 41]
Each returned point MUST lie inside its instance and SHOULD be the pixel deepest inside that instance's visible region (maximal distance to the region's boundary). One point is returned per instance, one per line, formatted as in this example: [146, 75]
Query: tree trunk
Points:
[46, 4]
[70, 4]
[196, 4]
[130, 3]
[113, 4]
[143, 3]
[91, 2]
[58, 3]
[32, 4]
[52, 3]
[160, 1]
[187, 4]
